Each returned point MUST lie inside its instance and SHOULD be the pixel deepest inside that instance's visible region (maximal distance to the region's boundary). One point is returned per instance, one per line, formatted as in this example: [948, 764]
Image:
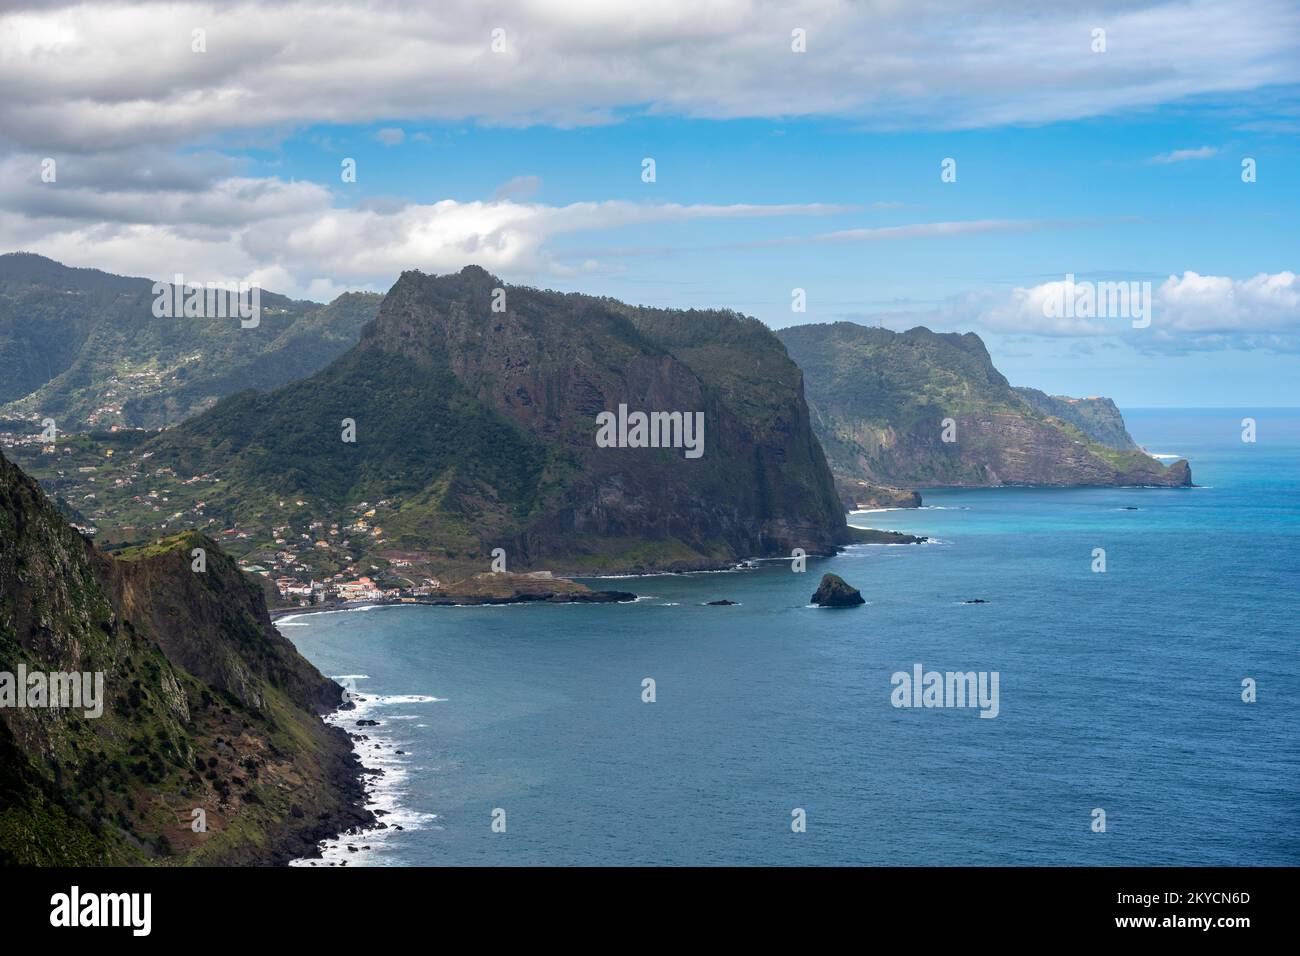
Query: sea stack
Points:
[834, 592]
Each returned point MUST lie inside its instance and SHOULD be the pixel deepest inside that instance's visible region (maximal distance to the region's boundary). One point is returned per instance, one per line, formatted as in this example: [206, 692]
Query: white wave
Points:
[291, 619]
[385, 700]
[386, 792]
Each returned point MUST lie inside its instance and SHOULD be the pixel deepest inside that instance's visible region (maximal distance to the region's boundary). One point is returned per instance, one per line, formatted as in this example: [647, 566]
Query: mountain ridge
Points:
[477, 428]
[82, 346]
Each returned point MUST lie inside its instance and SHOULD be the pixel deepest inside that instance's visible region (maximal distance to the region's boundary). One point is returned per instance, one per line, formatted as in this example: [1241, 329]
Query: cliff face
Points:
[880, 399]
[482, 426]
[205, 706]
[1098, 418]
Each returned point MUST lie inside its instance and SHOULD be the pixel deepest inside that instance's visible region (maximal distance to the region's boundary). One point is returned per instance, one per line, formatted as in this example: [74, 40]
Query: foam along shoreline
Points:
[385, 760]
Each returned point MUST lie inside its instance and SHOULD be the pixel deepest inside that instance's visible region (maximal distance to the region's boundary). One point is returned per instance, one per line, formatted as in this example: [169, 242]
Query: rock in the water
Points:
[834, 592]
[723, 603]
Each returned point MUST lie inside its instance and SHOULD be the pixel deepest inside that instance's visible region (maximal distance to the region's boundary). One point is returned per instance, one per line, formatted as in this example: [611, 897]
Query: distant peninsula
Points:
[915, 409]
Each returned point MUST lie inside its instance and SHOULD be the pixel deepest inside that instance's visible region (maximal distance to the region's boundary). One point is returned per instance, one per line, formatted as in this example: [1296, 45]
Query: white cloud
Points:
[391, 136]
[932, 230]
[1208, 305]
[91, 76]
[290, 236]
[1183, 155]
[1188, 313]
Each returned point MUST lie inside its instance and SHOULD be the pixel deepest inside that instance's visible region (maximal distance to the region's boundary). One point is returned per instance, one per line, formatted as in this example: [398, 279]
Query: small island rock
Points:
[834, 592]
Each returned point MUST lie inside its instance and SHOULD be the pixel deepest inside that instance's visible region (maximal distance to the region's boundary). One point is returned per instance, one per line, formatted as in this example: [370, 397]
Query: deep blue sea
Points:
[1119, 691]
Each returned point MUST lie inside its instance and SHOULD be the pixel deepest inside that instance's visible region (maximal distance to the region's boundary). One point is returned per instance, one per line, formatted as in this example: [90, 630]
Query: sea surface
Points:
[1118, 691]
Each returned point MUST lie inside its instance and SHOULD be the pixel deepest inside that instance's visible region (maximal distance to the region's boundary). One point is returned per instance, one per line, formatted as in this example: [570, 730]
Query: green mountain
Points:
[204, 706]
[477, 429]
[83, 347]
[880, 399]
[1098, 418]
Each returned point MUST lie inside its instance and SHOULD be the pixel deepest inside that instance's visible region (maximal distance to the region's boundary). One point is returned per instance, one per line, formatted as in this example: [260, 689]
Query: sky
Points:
[795, 145]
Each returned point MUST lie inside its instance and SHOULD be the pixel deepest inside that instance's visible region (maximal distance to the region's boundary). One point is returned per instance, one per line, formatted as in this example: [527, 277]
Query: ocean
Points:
[1118, 691]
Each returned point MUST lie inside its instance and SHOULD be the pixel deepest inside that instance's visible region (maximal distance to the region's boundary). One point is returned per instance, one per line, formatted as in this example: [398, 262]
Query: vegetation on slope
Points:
[83, 347]
[206, 707]
[880, 400]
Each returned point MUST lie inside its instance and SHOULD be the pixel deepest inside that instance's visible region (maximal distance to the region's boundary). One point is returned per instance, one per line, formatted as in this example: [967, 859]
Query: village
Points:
[309, 561]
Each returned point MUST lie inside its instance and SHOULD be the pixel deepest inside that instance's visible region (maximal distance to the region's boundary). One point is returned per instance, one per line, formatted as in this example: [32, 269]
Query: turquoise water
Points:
[1119, 691]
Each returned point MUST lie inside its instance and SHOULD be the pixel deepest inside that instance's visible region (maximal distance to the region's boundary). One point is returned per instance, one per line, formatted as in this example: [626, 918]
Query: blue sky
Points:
[774, 170]
[1093, 200]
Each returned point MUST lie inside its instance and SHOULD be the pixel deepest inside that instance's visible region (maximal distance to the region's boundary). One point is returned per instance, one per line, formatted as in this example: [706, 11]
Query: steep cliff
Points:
[204, 706]
[479, 428]
[918, 408]
[1098, 418]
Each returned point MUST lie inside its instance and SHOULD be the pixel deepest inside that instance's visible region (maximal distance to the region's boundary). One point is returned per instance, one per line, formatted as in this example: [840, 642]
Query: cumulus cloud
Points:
[1190, 312]
[1264, 309]
[88, 76]
[291, 236]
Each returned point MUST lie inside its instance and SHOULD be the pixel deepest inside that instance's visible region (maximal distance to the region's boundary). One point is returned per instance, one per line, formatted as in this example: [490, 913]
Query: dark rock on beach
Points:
[835, 592]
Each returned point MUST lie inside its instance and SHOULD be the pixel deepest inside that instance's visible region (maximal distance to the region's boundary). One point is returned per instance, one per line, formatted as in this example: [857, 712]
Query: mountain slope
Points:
[880, 398]
[478, 430]
[84, 348]
[205, 706]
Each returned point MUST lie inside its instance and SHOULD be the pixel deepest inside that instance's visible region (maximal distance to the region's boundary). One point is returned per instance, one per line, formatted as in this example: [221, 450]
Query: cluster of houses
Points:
[300, 555]
[336, 590]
